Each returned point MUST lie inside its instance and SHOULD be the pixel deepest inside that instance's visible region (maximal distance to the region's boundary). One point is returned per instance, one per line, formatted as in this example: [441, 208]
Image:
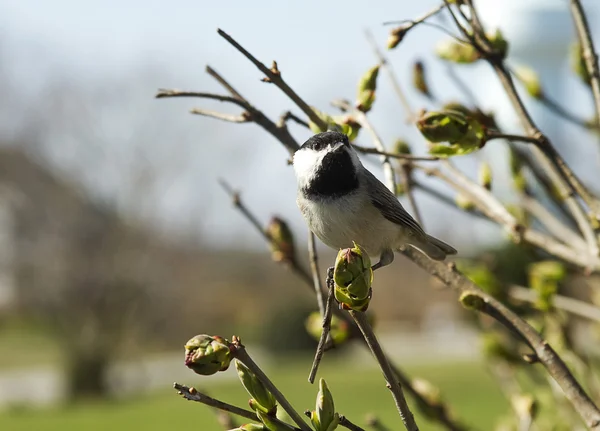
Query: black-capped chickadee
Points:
[343, 202]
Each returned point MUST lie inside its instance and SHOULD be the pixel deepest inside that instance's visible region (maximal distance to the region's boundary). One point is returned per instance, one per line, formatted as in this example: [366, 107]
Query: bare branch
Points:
[392, 383]
[314, 268]
[571, 305]
[367, 150]
[346, 423]
[244, 118]
[164, 93]
[385, 65]
[192, 394]
[589, 53]
[274, 76]
[485, 303]
[241, 355]
[326, 326]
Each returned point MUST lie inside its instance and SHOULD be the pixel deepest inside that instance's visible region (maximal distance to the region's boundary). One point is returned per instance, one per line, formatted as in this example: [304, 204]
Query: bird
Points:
[343, 203]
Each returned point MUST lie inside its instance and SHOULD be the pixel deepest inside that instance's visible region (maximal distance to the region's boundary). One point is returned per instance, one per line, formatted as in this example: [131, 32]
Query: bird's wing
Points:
[389, 206]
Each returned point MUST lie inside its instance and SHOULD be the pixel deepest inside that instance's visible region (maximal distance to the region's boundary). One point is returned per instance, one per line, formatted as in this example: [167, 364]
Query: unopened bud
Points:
[353, 277]
[271, 423]
[262, 399]
[281, 241]
[326, 118]
[485, 175]
[498, 42]
[457, 52]
[207, 355]
[401, 147]
[524, 405]
[578, 64]
[339, 328]
[350, 127]
[324, 417]
[530, 80]
[251, 427]
[464, 202]
[419, 80]
[444, 126]
[396, 35]
[366, 89]
[544, 278]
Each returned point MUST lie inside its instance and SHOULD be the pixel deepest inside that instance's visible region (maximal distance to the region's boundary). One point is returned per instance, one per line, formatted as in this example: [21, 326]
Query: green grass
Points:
[357, 392]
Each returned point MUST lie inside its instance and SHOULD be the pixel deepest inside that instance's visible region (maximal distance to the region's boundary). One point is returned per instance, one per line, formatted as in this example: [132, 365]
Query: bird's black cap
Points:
[320, 141]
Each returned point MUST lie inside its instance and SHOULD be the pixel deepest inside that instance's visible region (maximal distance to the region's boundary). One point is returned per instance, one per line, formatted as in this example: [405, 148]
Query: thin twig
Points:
[289, 115]
[509, 137]
[571, 305]
[242, 355]
[192, 394]
[588, 52]
[555, 366]
[439, 409]
[326, 327]
[274, 76]
[164, 93]
[385, 65]
[314, 268]
[422, 18]
[363, 120]
[392, 383]
[368, 150]
[346, 423]
[221, 115]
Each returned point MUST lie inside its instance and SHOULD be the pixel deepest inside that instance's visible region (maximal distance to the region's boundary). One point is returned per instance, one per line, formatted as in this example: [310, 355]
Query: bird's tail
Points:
[434, 248]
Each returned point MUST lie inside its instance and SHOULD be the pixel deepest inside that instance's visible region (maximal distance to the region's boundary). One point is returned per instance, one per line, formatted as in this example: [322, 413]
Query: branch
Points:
[570, 305]
[589, 53]
[487, 304]
[384, 64]
[274, 76]
[243, 118]
[326, 326]
[392, 383]
[314, 268]
[345, 422]
[192, 394]
[164, 93]
[410, 157]
[241, 355]
[439, 409]
[362, 119]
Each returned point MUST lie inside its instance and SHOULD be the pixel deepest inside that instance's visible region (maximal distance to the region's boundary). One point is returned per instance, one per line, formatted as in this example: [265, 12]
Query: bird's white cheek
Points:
[306, 163]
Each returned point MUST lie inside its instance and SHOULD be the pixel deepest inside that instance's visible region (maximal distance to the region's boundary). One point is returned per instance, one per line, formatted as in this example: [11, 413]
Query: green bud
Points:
[324, 418]
[349, 125]
[498, 42]
[464, 202]
[481, 275]
[485, 175]
[339, 329]
[530, 80]
[419, 81]
[207, 355]
[400, 189]
[281, 241]
[472, 300]
[366, 89]
[464, 134]
[396, 35]
[524, 405]
[262, 399]
[445, 126]
[251, 427]
[427, 390]
[271, 423]
[578, 64]
[353, 277]
[401, 147]
[494, 347]
[544, 278]
[327, 119]
[457, 52]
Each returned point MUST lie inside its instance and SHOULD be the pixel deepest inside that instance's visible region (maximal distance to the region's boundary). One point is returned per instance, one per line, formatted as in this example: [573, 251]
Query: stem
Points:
[345, 422]
[240, 354]
[323, 339]
[314, 267]
[589, 53]
[392, 383]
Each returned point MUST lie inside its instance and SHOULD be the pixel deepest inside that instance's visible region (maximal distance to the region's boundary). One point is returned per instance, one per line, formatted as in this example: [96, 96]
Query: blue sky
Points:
[113, 55]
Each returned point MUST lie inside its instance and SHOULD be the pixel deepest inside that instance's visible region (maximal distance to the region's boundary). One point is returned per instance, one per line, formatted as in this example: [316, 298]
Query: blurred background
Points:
[118, 245]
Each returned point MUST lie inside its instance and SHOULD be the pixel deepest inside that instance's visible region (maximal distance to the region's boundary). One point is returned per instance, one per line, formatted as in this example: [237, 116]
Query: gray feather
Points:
[389, 206]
